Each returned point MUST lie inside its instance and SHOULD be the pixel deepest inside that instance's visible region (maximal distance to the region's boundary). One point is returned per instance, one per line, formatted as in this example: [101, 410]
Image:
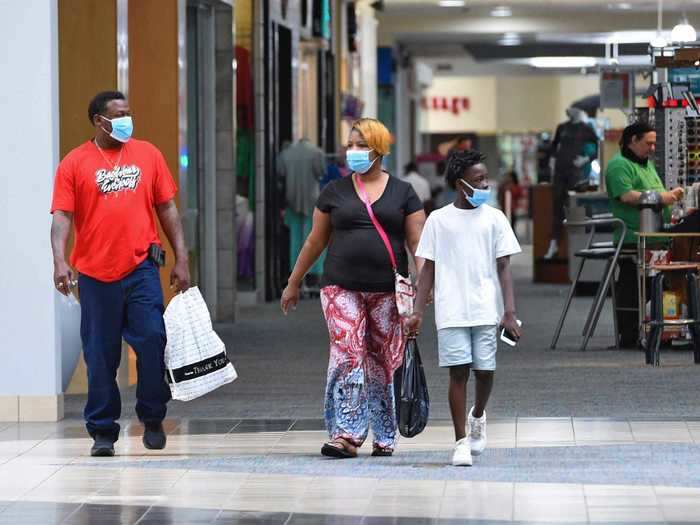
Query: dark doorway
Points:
[279, 120]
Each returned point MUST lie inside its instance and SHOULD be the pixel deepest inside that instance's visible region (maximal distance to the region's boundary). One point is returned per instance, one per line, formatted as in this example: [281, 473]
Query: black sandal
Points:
[338, 449]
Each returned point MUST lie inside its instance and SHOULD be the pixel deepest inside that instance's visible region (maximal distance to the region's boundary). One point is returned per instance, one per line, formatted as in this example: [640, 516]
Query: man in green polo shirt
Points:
[631, 172]
[628, 174]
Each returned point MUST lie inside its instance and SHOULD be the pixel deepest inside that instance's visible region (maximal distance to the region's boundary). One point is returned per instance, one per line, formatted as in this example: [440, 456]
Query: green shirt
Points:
[623, 175]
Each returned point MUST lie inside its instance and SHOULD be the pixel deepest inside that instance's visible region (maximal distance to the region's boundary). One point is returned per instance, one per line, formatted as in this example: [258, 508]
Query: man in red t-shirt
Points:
[109, 187]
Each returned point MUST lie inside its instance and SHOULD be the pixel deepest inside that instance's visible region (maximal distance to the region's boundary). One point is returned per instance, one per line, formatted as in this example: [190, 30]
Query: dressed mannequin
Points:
[302, 166]
[574, 147]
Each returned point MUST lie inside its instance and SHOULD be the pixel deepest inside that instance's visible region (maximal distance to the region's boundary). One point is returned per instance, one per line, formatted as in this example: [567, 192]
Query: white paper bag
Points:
[195, 357]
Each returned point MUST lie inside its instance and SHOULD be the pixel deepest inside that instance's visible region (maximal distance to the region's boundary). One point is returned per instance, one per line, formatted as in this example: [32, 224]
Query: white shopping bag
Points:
[195, 357]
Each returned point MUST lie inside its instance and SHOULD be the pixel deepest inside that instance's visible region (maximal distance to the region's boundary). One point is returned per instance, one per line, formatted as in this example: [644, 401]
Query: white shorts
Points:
[475, 345]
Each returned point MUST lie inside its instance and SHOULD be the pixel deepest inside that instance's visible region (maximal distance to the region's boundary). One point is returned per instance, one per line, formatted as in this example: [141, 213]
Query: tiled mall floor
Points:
[624, 447]
[536, 470]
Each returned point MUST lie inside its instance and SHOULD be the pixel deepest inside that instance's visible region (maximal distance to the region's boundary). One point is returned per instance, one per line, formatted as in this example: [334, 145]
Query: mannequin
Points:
[574, 147]
[302, 167]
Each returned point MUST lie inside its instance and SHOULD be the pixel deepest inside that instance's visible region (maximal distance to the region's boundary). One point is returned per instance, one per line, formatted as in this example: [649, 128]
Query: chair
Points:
[607, 251]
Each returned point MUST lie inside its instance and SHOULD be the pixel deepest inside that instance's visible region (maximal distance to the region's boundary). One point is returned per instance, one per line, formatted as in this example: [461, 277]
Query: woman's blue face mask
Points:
[358, 160]
[478, 196]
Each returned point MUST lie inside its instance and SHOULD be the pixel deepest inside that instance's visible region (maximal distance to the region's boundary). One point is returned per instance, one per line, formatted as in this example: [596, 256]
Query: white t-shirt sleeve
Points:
[506, 242]
[426, 245]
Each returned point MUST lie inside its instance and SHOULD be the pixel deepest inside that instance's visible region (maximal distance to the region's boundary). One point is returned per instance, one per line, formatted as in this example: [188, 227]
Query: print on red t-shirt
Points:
[112, 205]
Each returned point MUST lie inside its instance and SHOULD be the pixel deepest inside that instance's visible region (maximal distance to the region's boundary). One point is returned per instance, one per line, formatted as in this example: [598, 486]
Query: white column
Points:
[30, 309]
[367, 36]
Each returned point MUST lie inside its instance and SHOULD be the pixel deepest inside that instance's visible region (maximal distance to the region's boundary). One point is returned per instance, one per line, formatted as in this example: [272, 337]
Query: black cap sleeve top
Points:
[357, 259]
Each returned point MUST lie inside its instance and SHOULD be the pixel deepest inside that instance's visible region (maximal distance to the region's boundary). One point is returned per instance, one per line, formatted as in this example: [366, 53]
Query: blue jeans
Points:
[131, 308]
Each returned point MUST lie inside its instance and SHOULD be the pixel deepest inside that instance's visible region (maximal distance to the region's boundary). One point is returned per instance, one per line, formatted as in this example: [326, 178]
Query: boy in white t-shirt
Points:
[467, 247]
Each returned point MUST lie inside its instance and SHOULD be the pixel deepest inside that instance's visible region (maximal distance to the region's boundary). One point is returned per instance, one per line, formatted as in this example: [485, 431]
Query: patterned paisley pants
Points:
[366, 347]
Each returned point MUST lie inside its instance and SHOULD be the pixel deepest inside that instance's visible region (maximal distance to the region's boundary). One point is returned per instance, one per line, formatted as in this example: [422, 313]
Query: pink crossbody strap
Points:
[377, 226]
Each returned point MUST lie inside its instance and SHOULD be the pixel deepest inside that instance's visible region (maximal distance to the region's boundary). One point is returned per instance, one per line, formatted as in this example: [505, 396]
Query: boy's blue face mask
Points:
[358, 160]
[478, 196]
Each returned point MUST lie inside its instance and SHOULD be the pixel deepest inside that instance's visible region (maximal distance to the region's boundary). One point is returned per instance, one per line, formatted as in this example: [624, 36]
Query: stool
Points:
[657, 323]
[595, 251]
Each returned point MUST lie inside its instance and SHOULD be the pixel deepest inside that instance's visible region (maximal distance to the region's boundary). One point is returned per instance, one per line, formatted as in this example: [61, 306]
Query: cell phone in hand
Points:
[509, 338]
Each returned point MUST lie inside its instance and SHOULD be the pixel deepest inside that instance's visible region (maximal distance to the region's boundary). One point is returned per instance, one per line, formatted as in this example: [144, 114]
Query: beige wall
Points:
[527, 103]
[510, 103]
[481, 117]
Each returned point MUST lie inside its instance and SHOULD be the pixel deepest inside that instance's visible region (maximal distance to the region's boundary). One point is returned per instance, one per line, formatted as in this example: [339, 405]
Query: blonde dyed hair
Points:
[375, 133]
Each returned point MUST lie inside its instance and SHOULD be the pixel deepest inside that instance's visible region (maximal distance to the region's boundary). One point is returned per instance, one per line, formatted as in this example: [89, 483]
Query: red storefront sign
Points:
[455, 105]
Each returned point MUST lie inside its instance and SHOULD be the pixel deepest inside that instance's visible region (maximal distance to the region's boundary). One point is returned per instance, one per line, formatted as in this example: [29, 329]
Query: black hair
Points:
[411, 166]
[513, 176]
[638, 130]
[461, 161]
[99, 102]
[440, 167]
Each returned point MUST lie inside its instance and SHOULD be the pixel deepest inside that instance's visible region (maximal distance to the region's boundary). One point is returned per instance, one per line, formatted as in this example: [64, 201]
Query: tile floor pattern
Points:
[47, 476]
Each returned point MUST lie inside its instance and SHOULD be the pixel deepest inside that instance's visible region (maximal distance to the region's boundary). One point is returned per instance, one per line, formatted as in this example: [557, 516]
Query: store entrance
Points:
[281, 121]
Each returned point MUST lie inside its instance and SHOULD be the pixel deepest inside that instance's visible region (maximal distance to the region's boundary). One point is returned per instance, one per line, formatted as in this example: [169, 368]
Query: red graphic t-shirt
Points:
[111, 196]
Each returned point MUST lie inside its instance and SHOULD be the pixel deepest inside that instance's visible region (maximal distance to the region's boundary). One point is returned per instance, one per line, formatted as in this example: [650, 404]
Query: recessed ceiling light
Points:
[501, 11]
[620, 5]
[562, 62]
[451, 3]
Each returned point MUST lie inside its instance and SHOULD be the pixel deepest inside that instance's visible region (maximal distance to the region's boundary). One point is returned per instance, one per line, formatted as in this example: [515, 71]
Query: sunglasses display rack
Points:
[692, 125]
[672, 146]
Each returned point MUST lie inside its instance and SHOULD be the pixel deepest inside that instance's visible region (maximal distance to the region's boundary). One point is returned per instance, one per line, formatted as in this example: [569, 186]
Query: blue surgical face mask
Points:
[478, 197]
[122, 128]
[358, 160]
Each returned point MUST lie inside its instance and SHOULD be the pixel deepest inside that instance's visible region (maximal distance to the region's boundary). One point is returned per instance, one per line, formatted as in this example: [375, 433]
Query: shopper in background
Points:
[510, 186]
[446, 195]
[460, 143]
[467, 247]
[335, 169]
[419, 183]
[357, 295]
[109, 187]
[628, 174]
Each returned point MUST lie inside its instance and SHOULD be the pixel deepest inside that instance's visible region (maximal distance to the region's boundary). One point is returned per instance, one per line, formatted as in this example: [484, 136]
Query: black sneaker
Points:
[154, 436]
[103, 446]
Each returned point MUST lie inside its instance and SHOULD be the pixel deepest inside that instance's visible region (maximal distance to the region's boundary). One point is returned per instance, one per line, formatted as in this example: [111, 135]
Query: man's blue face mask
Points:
[122, 128]
[358, 160]
[478, 197]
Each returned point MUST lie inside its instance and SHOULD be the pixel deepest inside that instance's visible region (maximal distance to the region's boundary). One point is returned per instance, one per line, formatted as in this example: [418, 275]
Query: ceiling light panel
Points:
[562, 62]
[501, 11]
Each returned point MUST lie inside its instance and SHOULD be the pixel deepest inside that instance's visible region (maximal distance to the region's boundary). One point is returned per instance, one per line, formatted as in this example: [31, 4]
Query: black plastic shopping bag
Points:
[411, 392]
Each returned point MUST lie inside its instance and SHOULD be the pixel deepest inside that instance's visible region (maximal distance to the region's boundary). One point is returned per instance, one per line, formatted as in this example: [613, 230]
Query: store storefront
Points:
[294, 64]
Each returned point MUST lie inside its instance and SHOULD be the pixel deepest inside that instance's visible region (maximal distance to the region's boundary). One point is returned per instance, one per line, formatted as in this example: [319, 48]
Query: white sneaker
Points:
[462, 456]
[477, 432]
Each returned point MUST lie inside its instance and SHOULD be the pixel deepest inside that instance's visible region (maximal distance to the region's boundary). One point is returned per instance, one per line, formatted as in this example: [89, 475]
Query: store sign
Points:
[454, 105]
[616, 89]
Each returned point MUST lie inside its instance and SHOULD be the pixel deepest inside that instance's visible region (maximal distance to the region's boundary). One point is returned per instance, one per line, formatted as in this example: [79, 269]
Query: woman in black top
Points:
[357, 293]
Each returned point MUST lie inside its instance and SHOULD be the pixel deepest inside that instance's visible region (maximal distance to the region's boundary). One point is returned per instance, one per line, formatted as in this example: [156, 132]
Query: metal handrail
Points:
[599, 222]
